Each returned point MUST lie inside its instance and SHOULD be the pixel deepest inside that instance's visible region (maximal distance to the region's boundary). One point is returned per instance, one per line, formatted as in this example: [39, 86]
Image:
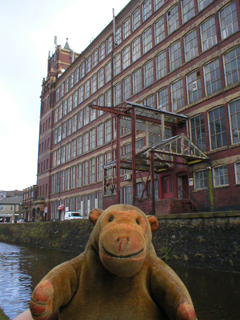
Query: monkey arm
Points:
[56, 289]
[170, 293]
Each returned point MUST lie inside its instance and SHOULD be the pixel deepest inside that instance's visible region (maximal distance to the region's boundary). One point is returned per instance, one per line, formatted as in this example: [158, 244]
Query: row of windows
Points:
[220, 177]
[155, 69]
[82, 204]
[217, 127]
[134, 83]
[167, 24]
[89, 171]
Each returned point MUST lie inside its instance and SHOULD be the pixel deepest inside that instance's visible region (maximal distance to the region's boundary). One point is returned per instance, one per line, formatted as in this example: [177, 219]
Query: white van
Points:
[72, 215]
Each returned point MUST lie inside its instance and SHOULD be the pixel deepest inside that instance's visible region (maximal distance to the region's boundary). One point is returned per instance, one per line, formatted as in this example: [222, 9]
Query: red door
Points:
[167, 188]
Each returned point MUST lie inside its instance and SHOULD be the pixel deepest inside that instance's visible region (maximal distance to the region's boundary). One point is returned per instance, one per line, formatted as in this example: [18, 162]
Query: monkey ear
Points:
[94, 215]
[154, 224]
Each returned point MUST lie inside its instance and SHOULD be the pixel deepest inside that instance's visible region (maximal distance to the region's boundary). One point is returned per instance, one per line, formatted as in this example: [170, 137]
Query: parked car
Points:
[72, 215]
[20, 221]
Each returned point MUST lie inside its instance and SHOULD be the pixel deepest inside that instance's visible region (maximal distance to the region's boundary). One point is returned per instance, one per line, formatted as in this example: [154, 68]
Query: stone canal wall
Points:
[205, 240]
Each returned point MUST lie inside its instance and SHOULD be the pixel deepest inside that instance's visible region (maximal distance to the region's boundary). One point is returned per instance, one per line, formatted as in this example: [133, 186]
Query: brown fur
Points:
[117, 277]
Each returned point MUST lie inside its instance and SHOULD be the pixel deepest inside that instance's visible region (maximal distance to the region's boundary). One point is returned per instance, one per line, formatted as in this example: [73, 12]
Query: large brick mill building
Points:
[152, 103]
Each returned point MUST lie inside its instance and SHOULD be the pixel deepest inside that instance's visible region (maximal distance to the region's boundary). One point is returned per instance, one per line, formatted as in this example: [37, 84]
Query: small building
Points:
[11, 209]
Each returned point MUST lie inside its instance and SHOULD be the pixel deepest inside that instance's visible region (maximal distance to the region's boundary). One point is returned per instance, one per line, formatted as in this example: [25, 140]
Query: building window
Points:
[188, 11]
[93, 112]
[94, 84]
[117, 94]
[79, 175]
[69, 127]
[76, 75]
[92, 170]
[108, 70]
[200, 180]
[126, 57]
[82, 70]
[75, 99]
[102, 51]
[127, 88]
[228, 20]
[147, 9]
[128, 195]
[136, 49]
[100, 135]
[70, 104]
[79, 146]
[74, 146]
[87, 89]
[136, 19]
[73, 177]
[177, 95]
[86, 115]
[93, 138]
[217, 124]
[220, 176]
[89, 63]
[100, 78]
[86, 142]
[232, 66]
[109, 44]
[172, 19]
[62, 186]
[68, 156]
[208, 34]
[237, 172]
[150, 101]
[212, 77]
[159, 31]
[194, 87]
[234, 114]
[161, 65]
[126, 28]
[148, 73]
[158, 4]
[63, 154]
[190, 45]
[163, 99]
[108, 98]
[198, 132]
[117, 64]
[175, 56]
[64, 130]
[203, 4]
[95, 58]
[80, 119]
[118, 39]
[67, 175]
[85, 172]
[137, 81]
[100, 168]
[147, 40]
[100, 200]
[108, 131]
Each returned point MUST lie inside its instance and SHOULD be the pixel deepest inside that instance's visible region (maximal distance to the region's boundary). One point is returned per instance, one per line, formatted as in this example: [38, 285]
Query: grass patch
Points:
[3, 316]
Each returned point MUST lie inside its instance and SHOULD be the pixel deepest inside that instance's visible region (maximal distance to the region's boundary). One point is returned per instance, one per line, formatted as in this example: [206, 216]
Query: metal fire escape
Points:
[153, 158]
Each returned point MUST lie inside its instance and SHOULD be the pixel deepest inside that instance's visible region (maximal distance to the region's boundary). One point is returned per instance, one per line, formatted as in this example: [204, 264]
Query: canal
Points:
[216, 294]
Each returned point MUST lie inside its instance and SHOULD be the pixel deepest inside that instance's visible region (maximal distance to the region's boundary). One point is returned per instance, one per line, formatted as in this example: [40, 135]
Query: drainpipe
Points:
[210, 188]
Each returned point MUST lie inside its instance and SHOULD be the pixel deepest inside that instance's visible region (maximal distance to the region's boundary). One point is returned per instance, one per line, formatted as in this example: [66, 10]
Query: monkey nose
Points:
[123, 243]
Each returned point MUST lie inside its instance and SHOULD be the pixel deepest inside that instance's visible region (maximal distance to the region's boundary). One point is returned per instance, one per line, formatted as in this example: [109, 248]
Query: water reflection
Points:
[215, 294]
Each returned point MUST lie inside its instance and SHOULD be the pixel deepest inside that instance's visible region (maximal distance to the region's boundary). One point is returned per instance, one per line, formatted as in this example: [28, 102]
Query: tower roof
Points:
[66, 47]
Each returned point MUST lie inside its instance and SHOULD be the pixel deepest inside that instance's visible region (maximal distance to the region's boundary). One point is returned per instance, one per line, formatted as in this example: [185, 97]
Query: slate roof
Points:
[12, 200]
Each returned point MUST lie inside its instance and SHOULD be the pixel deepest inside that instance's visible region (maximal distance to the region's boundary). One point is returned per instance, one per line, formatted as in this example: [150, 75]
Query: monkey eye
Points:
[138, 222]
[110, 219]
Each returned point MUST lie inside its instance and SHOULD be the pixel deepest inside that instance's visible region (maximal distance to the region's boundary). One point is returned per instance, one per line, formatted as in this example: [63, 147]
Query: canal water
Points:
[216, 294]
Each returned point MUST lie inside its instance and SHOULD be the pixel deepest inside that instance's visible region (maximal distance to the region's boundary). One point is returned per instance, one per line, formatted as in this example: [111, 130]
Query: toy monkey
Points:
[117, 277]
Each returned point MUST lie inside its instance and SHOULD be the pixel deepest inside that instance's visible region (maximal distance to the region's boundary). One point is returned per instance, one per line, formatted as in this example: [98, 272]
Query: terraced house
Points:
[153, 103]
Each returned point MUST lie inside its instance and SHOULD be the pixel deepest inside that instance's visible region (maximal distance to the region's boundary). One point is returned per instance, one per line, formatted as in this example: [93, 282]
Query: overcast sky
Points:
[27, 30]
